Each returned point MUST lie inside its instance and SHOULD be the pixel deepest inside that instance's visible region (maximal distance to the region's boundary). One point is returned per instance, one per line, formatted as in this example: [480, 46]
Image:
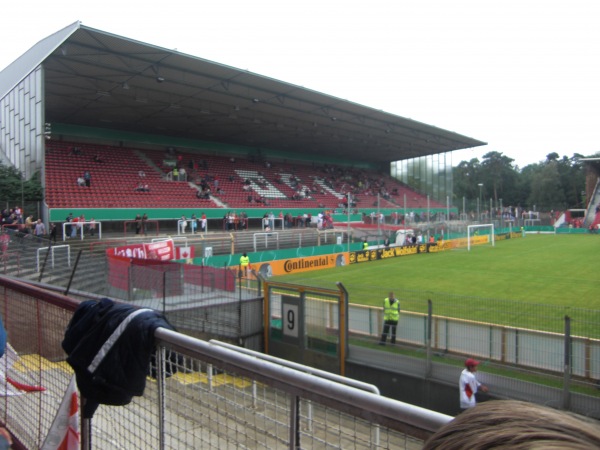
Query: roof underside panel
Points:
[100, 80]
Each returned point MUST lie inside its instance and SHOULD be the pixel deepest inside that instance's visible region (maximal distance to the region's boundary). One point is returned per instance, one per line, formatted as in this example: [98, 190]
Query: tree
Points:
[14, 189]
[465, 177]
[572, 180]
[497, 173]
[531, 185]
[546, 190]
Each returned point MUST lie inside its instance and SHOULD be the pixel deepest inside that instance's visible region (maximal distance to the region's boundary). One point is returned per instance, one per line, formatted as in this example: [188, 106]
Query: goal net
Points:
[480, 234]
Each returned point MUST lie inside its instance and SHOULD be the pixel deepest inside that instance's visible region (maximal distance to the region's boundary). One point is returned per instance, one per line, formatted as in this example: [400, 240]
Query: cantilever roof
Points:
[94, 78]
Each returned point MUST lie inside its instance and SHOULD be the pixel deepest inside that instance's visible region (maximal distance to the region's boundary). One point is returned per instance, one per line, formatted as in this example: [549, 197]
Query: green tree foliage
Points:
[556, 183]
[14, 189]
[546, 190]
[498, 175]
[466, 177]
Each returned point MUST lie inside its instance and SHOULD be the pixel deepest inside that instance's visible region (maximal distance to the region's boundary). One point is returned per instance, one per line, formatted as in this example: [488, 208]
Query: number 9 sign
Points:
[290, 320]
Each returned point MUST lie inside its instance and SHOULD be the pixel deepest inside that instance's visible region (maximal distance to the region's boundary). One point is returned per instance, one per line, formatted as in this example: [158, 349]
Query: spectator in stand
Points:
[513, 424]
[138, 224]
[80, 181]
[92, 227]
[19, 214]
[203, 223]
[97, 159]
[145, 224]
[74, 224]
[194, 223]
[69, 219]
[87, 177]
[141, 174]
[243, 220]
[29, 224]
[230, 221]
[40, 228]
[52, 235]
[81, 222]
[289, 220]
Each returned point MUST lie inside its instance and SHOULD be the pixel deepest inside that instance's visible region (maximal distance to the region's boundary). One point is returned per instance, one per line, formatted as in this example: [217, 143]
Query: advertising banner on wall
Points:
[296, 265]
[160, 251]
[394, 252]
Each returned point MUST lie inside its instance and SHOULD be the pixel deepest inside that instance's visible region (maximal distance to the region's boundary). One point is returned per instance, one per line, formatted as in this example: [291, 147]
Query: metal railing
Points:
[219, 397]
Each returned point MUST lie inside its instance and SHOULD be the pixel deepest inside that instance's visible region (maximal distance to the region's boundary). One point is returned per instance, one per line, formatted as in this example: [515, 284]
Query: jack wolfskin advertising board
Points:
[394, 252]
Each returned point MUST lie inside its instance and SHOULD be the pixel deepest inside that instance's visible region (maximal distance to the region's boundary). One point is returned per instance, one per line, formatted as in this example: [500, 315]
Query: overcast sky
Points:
[521, 75]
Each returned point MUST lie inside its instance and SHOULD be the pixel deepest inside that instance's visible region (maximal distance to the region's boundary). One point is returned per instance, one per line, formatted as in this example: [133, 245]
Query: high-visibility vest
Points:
[391, 311]
[244, 261]
[365, 245]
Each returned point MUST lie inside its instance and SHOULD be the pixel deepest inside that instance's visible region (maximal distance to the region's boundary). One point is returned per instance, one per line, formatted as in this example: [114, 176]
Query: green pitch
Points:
[531, 282]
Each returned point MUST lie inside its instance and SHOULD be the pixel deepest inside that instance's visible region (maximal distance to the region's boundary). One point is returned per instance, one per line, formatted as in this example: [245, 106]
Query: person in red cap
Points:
[468, 385]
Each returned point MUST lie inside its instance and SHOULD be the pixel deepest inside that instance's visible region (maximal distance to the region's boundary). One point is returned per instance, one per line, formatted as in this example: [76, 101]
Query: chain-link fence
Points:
[206, 395]
[546, 354]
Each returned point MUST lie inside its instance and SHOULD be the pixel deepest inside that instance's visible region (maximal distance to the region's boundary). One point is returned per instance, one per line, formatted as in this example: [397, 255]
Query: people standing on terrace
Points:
[40, 228]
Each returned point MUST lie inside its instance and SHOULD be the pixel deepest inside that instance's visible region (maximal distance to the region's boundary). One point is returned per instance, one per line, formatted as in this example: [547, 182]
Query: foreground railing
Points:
[219, 397]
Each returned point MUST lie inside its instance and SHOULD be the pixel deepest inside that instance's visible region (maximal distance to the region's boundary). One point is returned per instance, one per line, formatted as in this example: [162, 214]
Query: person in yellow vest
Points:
[391, 315]
[365, 244]
[244, 264]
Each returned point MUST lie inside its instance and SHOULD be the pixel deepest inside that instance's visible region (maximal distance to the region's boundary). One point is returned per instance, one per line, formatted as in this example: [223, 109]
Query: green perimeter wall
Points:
[119, 214]
[274, 255]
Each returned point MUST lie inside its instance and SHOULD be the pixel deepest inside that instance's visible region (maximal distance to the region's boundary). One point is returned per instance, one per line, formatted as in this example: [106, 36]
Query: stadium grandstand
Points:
[85, 100]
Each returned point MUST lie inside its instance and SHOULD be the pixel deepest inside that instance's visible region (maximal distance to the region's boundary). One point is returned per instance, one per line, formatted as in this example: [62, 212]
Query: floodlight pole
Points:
[479, 205]
[405, 210]
[428, 213]
[348, 220]
[378, 219]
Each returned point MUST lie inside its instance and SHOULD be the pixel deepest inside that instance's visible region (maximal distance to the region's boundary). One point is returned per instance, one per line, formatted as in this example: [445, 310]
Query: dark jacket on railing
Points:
[110, 347]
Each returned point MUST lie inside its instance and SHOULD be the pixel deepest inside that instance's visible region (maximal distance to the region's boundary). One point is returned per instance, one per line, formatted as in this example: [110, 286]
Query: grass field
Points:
[531, 282]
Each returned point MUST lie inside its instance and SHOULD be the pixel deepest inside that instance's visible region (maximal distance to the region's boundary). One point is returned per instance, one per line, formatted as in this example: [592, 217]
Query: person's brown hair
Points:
[516, 425]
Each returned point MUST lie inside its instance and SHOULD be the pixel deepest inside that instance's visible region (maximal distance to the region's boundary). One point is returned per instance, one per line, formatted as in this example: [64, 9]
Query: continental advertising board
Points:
[296, 265]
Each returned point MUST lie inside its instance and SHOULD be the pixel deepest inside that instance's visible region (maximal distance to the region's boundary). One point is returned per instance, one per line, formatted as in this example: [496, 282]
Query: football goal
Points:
[480, 234]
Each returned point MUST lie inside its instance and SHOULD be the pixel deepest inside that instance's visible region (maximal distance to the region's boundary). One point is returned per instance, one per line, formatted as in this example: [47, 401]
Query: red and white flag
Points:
[64, 432]
[8, 385]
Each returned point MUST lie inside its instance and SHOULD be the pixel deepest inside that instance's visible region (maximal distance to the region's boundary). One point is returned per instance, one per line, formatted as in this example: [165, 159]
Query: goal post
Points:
[473, 230]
